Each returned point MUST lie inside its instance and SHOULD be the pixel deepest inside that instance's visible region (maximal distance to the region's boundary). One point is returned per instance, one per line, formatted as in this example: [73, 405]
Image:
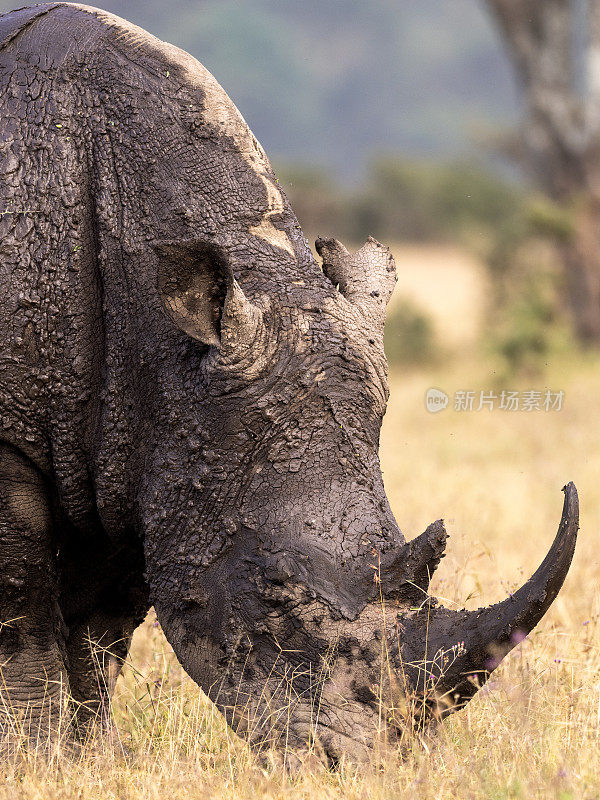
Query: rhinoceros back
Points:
[68, 197]
[50, 316]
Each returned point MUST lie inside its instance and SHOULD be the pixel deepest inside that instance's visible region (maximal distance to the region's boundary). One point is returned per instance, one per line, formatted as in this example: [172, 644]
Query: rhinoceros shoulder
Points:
[93, 34]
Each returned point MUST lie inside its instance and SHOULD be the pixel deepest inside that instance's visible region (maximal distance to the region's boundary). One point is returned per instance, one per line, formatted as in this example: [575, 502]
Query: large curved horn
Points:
[463, 647]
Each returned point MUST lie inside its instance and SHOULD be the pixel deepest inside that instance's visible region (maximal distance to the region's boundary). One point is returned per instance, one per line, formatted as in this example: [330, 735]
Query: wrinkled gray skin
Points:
[191, 409]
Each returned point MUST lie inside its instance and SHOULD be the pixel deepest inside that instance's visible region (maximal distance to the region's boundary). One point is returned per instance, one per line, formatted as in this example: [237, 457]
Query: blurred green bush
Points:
[528, 319]
[404, 199]
[425, 201]
[409, 335]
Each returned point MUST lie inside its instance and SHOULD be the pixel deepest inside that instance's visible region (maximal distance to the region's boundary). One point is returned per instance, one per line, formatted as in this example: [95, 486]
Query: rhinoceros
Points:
[191, 408]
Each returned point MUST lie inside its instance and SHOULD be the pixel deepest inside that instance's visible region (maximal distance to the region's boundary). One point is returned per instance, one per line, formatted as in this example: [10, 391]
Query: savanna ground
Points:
[495, 476]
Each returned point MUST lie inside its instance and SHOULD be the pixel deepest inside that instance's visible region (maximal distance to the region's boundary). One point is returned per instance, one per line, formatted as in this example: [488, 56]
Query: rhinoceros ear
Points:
[199, 292]
[365, 278]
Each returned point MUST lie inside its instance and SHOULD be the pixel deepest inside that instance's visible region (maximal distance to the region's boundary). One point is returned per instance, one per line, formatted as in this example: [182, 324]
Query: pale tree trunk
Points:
[561, 130]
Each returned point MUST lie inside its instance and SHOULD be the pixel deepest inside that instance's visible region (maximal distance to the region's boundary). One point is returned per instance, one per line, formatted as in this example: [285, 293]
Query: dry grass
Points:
[532, 732]
[446, 282]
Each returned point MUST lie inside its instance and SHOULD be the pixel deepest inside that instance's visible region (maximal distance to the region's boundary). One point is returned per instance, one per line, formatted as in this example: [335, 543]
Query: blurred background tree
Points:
[555, 48]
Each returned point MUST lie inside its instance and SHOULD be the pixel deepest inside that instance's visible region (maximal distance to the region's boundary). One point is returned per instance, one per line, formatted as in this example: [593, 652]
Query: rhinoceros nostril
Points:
[364, 694]
[332, 760]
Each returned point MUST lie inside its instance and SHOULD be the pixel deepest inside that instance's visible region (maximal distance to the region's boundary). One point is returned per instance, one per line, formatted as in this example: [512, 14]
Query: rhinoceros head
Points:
[285, 585]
